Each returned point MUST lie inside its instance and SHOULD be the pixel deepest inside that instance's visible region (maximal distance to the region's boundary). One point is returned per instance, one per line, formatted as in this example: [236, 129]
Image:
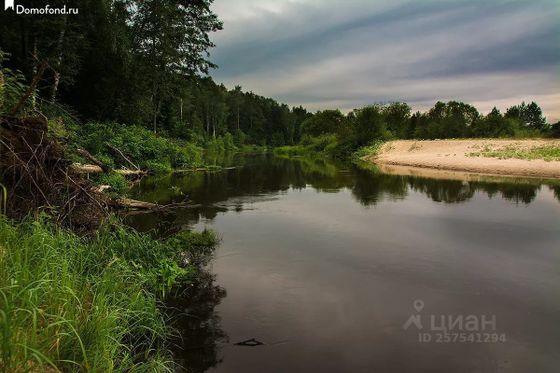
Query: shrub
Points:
[142, 146]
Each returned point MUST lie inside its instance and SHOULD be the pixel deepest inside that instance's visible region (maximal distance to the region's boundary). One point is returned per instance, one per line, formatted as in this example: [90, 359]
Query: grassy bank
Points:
[547, 153]
[74, 304]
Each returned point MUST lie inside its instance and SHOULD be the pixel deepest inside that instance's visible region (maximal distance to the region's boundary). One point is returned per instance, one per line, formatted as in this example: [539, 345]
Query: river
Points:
[339, 268]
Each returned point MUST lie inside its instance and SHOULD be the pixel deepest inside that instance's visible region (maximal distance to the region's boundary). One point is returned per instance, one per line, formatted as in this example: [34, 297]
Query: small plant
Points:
[3, 200]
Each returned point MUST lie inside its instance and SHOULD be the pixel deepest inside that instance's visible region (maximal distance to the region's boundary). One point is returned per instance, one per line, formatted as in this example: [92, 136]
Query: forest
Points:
[148, 64]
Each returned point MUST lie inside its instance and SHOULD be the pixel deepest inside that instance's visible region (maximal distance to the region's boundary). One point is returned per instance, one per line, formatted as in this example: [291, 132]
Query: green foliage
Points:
[369, 124]
[117, 182]
[529, 115]
[291, 150]
[220, 145]
[447, 120]
[397, 116]
[369, 150]
[142, 146]
[12, 87]
[75, 304]
[323, 122]
[555, 130]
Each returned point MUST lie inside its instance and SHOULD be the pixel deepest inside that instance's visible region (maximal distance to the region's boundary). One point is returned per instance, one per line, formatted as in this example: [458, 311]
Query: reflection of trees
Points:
[265, 175]
[449, 191]
[556, 190]
[370, 187]
[193, 315]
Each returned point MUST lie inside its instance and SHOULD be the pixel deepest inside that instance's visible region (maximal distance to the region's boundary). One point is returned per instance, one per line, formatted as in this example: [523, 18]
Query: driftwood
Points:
[133, 207]
[134, 204]
[142, 206]
[79, 168]
[203, 169]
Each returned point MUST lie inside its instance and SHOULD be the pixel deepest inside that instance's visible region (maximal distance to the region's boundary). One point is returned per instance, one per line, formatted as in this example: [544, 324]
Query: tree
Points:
[323, 122]
[528, 115]
[171, 37]
[556, 129]
[397, 117]
[447, 120]
[368, 124]
[494, 125]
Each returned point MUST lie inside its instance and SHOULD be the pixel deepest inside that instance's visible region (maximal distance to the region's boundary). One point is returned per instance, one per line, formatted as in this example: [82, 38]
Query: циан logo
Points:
[449, 328]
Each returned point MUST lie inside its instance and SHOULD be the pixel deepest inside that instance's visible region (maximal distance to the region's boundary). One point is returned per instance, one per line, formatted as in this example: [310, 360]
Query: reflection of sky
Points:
[332, 282]
[349, 53]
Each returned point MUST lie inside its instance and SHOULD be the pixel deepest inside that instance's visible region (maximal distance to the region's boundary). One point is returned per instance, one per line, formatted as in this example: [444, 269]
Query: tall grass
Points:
[87, 305]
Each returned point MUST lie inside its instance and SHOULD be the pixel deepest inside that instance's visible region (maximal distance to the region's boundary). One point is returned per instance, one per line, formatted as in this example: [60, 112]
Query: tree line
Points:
[146, 62]
[341, 134]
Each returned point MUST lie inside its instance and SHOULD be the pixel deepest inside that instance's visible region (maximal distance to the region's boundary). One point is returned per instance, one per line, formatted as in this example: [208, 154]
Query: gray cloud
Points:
[336, 53]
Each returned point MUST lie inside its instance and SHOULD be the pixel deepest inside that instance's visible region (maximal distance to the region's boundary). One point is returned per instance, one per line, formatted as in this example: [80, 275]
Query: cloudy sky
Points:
[349, 53]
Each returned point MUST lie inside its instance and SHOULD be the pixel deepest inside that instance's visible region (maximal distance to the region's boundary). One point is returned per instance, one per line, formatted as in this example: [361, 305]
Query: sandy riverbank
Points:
[453, 155]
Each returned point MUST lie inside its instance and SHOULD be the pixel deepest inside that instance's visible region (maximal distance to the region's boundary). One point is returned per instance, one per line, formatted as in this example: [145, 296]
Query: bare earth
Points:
[452, 155]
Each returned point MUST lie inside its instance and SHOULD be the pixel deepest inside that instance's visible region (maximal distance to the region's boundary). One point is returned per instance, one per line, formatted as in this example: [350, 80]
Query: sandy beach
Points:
[456, 155]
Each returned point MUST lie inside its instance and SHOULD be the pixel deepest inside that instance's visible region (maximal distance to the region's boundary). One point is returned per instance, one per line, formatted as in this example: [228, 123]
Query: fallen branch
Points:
[136, 207]
[84, 153]
[79, 168]
[121, 154]
[134, 204]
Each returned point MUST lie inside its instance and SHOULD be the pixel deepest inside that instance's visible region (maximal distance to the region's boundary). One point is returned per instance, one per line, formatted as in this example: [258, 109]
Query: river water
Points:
[337, 268]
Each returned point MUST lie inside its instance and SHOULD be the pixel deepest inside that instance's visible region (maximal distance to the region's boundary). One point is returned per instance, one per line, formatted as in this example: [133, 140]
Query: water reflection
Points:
[312, 273]
[264, 176]
[192, 311]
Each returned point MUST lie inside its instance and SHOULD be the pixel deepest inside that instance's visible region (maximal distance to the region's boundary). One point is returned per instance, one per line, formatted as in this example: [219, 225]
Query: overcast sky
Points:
[349, 53]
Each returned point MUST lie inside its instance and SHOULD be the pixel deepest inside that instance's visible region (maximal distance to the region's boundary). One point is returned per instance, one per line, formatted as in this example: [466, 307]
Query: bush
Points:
[142, 146]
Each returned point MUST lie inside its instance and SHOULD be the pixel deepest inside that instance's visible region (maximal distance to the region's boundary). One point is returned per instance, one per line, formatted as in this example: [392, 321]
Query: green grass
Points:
[547, 153]
[369, 150]
[291, 150]
[88, 305]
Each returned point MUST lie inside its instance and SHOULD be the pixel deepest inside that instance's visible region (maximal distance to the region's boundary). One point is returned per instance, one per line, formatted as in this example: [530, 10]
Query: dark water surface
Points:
[323, 263]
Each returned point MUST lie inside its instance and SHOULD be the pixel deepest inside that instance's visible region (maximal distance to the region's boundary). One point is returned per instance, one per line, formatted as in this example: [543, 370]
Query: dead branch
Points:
[30, 89]
[121, 154]
[84, 153]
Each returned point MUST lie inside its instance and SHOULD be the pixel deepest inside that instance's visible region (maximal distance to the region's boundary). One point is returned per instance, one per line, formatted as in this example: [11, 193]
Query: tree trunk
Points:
[156, 113]
[58, 62]
[237, 116]
[207, 121]
[35, 62]
[181, 117]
